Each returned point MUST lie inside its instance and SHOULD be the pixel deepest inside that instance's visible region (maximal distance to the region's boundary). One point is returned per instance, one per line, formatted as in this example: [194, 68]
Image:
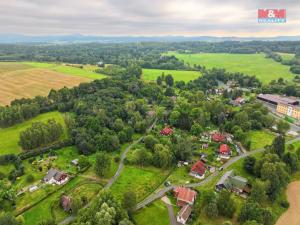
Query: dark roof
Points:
[229, 180]
[50, 174]
[277, 99]
[65, 202]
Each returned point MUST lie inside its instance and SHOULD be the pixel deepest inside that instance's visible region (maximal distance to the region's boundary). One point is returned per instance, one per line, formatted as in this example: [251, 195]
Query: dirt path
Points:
[291, 216]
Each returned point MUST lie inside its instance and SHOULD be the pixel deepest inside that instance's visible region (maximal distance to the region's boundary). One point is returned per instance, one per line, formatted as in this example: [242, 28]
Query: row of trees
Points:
[40, 134]
[146, 54]
[17, 114]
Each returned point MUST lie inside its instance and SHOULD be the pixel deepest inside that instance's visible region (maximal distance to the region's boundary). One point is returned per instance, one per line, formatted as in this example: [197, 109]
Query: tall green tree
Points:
[102, 164]
[279, 145]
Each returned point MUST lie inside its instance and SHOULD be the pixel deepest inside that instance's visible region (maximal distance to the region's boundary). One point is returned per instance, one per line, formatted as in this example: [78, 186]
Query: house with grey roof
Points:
[237, 184]
[54, 176]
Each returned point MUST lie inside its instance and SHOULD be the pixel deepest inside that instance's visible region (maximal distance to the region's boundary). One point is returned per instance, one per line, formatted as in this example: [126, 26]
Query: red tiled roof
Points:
[218, 137]
[239, 100]
[185, 194]
[166, 131]
[198, 168]
[224, 149]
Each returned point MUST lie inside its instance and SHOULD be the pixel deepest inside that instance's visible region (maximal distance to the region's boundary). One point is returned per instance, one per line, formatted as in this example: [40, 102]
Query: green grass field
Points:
[152, 74]
[86, 71]
[286, 56]
[265, 69]
[140, 180]
[10, 136]
[42, 211]
[154, 214]
[260, 139]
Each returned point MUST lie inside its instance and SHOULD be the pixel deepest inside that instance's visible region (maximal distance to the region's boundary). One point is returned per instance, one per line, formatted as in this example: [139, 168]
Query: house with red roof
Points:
[185, 196]
[218, 137]
[239, 101]
[224, 151]
[166, 131]
[198, 170]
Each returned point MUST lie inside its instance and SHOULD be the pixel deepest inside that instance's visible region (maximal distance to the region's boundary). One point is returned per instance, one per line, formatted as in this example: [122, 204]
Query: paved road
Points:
[71, 218]
[160, 193]
[170, 208]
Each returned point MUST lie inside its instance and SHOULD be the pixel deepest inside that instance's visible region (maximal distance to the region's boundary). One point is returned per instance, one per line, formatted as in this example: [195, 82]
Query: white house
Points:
[56, 177]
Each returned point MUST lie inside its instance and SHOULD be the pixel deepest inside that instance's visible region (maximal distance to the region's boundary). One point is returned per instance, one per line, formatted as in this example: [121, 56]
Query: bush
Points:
[284, 204]
[29, 178]
[117, 159]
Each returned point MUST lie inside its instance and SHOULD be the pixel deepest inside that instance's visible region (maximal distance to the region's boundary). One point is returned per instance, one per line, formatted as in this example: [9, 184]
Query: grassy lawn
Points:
[152, 74]
[86, 71]
[154, 214]
[286, 56]
[260, 138]
[265, 69]
[140, 180]
[89, 190]
[10, 136]
[42, 211]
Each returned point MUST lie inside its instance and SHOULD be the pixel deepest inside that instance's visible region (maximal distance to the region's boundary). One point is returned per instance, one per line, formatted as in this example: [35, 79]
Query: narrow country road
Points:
[111, 181]
[159, 193]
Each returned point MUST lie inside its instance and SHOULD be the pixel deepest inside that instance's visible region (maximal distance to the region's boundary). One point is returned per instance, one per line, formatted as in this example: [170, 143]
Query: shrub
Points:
[284, 204]
[29, 178]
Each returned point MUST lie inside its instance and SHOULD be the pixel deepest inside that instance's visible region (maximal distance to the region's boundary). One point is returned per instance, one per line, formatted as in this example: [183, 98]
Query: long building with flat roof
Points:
[276, 99]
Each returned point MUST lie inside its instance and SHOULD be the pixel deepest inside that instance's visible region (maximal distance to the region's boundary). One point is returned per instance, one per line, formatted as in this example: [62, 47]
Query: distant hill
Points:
[78, 38]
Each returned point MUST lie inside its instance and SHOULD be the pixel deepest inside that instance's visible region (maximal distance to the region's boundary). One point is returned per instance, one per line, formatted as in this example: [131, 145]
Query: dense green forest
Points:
[147, 55]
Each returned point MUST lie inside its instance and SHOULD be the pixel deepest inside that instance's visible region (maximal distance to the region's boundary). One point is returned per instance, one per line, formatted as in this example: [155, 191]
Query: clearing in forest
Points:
[10, 136]
[265, 69]
[152, 74]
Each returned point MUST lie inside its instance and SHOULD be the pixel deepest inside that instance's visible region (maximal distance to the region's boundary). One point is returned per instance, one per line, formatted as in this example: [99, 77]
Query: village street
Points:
[159, 193]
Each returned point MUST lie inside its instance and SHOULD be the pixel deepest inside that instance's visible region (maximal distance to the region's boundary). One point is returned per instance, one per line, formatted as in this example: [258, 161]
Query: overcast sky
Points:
[145, 17]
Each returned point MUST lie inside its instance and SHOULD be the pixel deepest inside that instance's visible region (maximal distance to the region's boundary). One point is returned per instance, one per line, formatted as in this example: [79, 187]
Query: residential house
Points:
[224, 151]
[198, 170]
[166, 131]
[233, 183]
[185, 196]
[218, 137]
[184, 214]
[239, 101]
[55, 177]
[65, 202]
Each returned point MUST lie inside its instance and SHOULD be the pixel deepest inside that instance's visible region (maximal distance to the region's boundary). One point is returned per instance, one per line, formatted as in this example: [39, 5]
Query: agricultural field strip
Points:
[160, 193]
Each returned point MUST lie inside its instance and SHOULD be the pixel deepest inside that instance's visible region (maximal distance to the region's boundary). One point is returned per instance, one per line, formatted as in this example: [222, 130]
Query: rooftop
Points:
[185, 194]
[278, 99]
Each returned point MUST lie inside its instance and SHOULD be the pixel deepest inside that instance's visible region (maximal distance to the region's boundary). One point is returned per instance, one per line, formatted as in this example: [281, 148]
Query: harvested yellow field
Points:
[291, 216]
[19, 81]
[12, 66]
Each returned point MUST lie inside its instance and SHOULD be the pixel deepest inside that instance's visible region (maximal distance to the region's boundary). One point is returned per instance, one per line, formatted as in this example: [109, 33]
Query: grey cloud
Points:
[144, 17]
